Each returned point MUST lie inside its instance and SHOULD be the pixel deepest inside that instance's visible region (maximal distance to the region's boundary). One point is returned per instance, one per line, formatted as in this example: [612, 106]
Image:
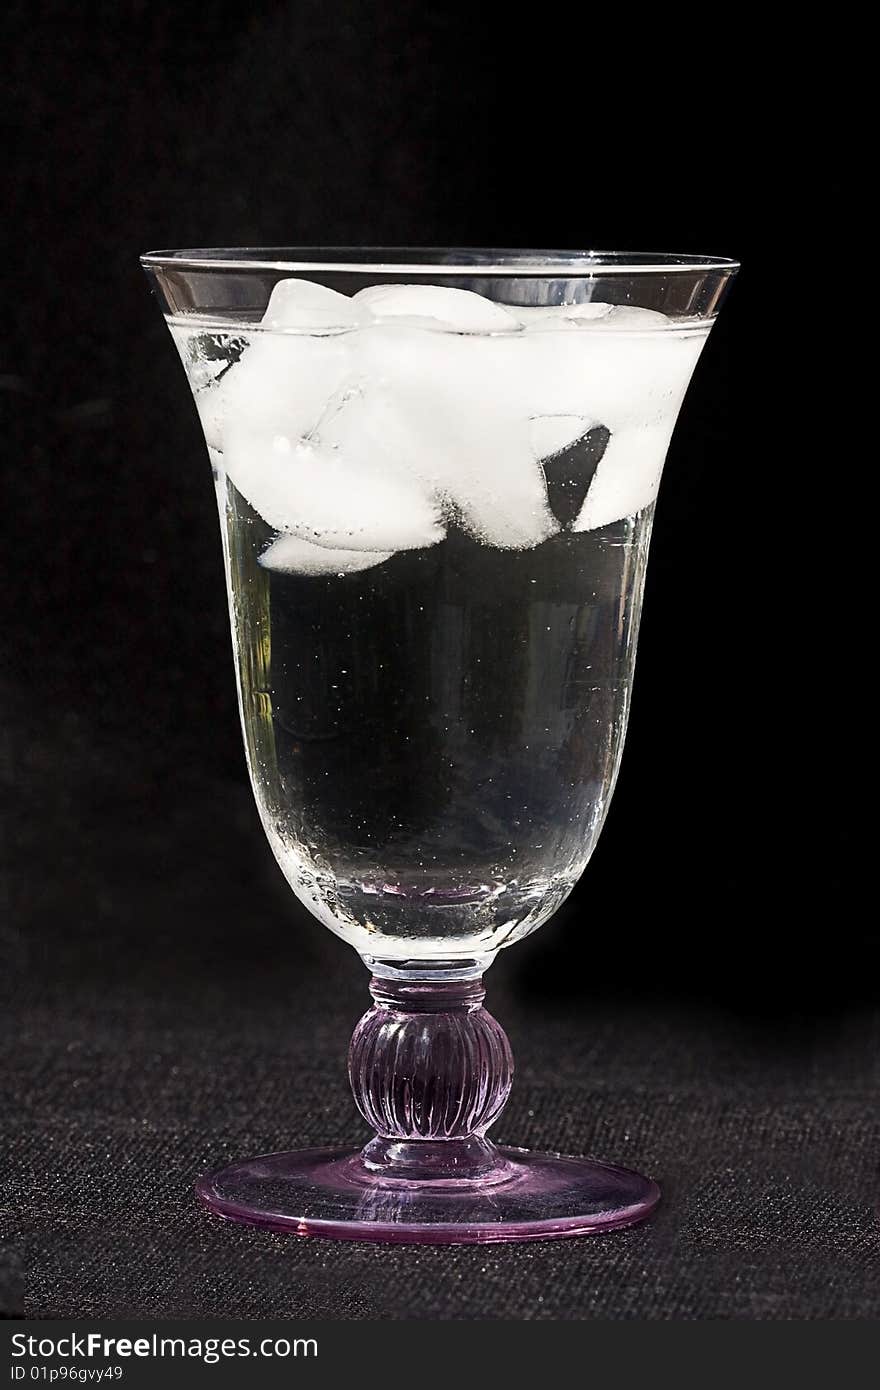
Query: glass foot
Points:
[334, 1193]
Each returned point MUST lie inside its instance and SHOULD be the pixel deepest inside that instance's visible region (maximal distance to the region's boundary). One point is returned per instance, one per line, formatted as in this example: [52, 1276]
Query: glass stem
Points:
[430, 1070]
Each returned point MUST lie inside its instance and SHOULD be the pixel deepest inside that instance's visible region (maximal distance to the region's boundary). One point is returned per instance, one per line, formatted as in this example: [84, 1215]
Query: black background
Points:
[720, 898]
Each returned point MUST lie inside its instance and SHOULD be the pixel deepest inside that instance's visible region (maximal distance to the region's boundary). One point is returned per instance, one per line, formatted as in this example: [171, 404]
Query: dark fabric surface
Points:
[181, 1010]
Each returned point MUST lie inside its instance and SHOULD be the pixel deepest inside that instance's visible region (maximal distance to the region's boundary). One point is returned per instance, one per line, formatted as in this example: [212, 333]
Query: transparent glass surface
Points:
[436, 473]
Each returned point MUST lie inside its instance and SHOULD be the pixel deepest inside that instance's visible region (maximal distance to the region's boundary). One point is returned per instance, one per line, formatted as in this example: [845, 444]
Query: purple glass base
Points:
[522, 1196]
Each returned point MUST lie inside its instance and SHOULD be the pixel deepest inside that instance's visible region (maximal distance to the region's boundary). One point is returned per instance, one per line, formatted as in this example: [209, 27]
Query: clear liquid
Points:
[433, 742]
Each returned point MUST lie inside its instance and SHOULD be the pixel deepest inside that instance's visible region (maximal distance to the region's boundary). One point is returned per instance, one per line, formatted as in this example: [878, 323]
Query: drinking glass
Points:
[436, 474]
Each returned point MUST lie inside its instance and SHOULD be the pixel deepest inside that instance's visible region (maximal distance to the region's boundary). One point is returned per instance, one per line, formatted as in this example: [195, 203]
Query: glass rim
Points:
[425, 260]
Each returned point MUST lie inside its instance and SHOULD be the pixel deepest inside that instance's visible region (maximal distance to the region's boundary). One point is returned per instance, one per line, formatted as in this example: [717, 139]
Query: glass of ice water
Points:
[436, 473]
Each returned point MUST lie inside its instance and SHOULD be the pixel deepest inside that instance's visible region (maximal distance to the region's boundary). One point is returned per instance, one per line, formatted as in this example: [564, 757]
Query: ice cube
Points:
[628, 476]
[438, 404]
[590, 309]
[560, 315]
[461, 311]
[550, 434]
[634, 319]
[205, 371]
[211, 404]
[283, 382]
[202, 372]
[304, 305]
[495, 485]
[613, 378]
[617, 316]
[291, 555]
[286, 384]
[342, 499]
[538, 374]
[640, 379]
[631, 382]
